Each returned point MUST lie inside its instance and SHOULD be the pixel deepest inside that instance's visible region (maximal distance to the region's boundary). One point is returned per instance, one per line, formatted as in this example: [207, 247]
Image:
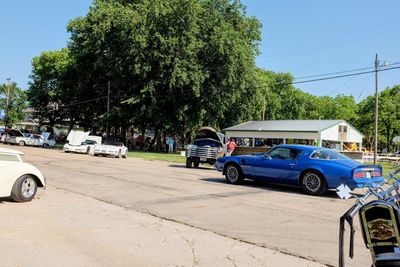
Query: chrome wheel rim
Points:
[312, 182]
[28, 187]
[232, 174]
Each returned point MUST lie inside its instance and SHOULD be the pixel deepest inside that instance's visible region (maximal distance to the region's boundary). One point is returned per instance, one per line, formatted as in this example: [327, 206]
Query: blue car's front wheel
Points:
[313, 183]
[233, 174]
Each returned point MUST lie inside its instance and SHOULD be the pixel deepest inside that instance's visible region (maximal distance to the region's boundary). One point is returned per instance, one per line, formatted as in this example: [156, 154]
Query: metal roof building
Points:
[337, 134]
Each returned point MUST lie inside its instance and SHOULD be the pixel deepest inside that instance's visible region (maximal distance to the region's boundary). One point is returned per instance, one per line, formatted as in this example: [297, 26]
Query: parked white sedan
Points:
[39, 140]
[18, 179]
[111, 148]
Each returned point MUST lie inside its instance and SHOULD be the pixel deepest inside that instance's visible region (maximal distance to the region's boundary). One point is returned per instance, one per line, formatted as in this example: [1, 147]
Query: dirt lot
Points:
[131, 212]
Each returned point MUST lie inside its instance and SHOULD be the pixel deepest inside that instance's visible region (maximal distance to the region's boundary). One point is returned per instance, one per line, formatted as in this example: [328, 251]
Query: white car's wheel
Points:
[45, 145]
[119, 154]
[24, 189]
[21, 143]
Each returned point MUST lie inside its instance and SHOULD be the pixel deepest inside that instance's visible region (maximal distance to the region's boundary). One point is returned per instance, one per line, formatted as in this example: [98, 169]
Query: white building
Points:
[337, 134]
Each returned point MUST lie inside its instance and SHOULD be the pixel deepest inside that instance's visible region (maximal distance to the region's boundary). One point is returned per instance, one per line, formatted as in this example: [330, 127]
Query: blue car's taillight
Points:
[367, 174]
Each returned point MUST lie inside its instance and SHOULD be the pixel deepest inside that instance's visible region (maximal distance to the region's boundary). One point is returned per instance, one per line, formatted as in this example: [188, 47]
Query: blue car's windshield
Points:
[327, 154]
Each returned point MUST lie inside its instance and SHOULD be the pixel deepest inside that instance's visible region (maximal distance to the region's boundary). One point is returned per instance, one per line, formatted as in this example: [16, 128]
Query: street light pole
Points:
[376, 109]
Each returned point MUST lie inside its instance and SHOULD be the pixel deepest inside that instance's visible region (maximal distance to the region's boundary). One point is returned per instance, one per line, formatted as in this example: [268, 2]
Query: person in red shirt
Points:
[231, 145]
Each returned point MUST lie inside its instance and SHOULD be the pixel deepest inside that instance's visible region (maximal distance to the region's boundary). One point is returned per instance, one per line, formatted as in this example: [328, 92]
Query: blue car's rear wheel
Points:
[233, 174]
[313, 183]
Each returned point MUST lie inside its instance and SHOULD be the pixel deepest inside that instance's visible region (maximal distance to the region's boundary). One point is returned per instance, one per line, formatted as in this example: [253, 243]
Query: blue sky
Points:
[304, 38]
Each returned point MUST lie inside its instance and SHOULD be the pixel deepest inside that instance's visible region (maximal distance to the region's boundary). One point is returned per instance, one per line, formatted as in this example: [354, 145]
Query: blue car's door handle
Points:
[292, 165]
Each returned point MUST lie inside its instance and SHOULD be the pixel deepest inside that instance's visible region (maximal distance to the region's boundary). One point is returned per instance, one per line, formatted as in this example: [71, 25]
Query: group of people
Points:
[139, 142]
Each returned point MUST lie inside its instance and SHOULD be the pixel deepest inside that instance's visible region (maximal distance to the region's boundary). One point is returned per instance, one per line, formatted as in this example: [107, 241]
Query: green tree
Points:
[173, 65]
[48, 92]
[16, 103]
[389, 115]
[388, 122]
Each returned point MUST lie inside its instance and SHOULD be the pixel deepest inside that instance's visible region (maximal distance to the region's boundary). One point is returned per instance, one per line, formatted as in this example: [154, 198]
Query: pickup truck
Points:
[206, 148]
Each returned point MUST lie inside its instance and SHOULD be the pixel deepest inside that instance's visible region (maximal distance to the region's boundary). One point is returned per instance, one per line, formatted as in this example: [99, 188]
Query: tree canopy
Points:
[16, 103]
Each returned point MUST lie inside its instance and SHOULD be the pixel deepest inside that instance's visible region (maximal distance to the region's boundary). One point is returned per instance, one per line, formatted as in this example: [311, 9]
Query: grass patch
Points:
[58, 146]
[387, 168]
[177, 158]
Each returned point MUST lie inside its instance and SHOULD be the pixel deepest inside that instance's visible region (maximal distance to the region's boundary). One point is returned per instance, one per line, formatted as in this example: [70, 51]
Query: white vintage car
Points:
[39, 140]
[81, 142]
[111, 148]
[18, 180]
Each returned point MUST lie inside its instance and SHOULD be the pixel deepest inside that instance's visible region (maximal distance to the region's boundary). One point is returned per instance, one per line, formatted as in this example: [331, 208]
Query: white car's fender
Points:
[11, 171]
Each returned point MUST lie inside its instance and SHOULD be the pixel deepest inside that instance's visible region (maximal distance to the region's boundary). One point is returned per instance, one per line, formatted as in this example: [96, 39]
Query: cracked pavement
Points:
[131, 212]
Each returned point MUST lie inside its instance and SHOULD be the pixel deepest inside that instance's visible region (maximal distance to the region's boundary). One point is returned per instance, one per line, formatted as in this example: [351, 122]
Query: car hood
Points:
[76, 138]
[10, 151]
[207, 133]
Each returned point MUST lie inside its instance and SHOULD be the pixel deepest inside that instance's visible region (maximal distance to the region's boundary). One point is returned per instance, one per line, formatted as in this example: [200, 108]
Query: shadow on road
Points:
[270, 187]
[182, 166]
[5, 199]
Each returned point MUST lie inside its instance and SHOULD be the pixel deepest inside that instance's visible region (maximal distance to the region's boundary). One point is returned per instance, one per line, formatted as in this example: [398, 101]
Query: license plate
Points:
[203, 159]
[368, 174]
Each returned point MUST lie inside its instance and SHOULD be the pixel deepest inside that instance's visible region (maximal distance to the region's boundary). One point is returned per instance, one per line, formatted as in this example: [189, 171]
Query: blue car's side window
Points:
[295, 153]
[284, 153]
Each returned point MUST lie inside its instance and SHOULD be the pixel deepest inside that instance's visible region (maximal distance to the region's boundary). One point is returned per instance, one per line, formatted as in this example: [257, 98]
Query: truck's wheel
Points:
[196, 162]
[189, 162]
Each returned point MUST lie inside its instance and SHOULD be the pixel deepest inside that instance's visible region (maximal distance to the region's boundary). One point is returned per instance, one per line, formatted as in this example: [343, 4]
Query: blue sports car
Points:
[315, 169]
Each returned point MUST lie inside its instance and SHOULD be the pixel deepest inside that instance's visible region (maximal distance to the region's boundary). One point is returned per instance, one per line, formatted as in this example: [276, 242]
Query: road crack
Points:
[191, 246]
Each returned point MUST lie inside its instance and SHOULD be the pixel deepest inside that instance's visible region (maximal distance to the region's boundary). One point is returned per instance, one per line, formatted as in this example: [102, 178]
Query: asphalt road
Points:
[265, 216]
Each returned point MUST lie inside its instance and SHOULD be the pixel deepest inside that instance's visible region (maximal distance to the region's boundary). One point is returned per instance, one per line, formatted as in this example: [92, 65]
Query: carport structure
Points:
[337, 134]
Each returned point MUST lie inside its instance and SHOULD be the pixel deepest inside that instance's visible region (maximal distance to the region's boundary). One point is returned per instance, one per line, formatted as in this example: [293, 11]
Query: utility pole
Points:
[263, 114]
[376, 109]
[108, 109]
[8, 102]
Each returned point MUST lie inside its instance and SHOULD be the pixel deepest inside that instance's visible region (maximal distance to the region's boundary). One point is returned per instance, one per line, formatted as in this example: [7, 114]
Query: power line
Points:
[342, 76]
[332, 38]
[344, 71]
[332, 73]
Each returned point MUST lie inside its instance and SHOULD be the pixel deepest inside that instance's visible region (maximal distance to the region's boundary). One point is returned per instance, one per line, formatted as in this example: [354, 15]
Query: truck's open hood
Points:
[76, 138]
[207, 133]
